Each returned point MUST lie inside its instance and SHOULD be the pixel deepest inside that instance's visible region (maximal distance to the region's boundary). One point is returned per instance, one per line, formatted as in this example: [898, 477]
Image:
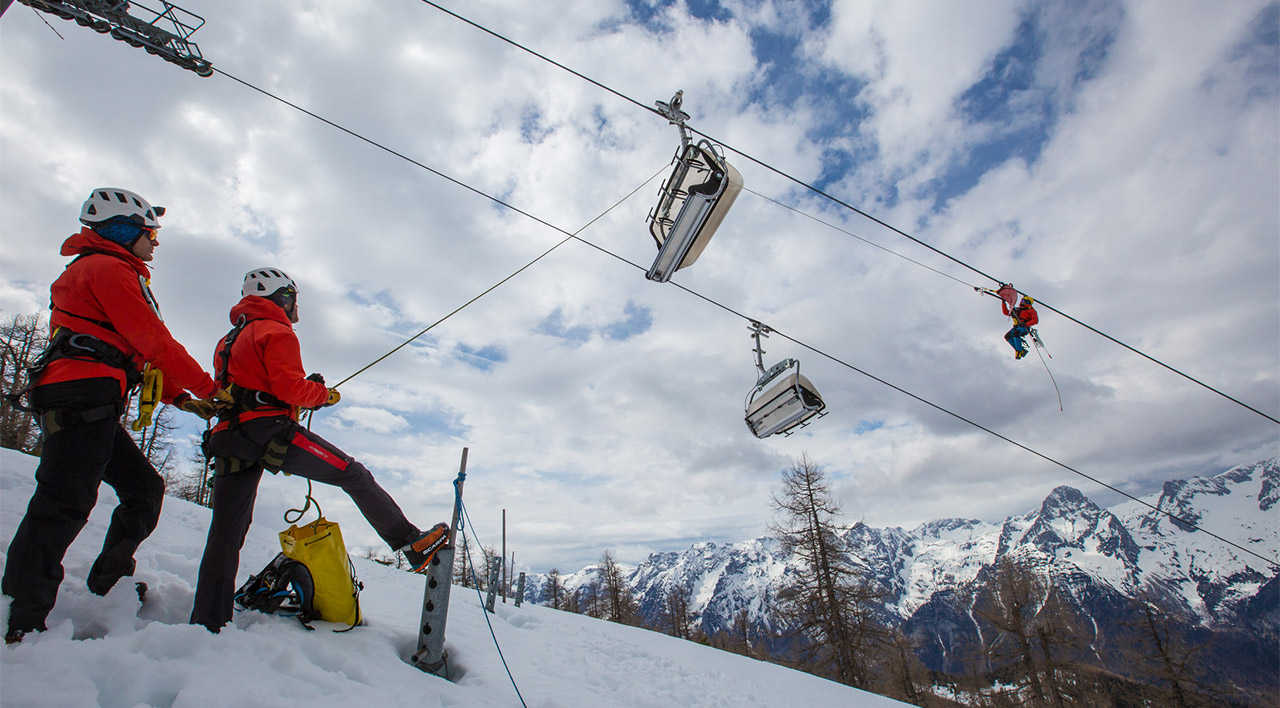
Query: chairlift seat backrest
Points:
[790, 401]
[699, 192]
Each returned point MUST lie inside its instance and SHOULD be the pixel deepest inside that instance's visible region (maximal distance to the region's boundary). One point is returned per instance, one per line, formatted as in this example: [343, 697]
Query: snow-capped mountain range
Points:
[931, 573]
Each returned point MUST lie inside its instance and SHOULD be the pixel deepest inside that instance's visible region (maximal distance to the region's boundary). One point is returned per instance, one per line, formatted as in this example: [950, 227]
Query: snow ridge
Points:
[1097, 552]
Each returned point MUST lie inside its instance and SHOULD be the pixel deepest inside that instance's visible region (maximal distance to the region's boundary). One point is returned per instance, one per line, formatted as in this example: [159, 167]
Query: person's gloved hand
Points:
[206, 408]
[318, 378]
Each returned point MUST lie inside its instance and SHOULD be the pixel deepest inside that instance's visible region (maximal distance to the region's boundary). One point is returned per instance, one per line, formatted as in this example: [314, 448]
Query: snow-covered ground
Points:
[104, 651]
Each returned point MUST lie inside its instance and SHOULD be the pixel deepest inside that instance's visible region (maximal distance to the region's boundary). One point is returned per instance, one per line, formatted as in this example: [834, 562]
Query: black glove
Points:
[318, 378]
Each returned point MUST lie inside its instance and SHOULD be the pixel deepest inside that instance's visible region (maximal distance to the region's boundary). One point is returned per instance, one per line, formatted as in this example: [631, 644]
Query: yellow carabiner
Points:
[148, 396]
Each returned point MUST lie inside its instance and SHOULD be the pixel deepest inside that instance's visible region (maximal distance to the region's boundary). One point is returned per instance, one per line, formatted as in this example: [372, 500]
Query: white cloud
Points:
[916, 59]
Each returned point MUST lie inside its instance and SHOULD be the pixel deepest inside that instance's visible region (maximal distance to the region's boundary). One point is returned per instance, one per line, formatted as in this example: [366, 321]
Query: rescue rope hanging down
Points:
[844, 204]
[475, 582]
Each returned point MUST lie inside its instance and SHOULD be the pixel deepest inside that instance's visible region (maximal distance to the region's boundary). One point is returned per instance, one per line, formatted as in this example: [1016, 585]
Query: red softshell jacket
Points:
[1025, 315]
[266, 357]
[109, 286]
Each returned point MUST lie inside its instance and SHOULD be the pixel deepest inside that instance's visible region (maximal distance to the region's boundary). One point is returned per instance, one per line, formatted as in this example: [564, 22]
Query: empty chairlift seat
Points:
[782, 399]
[692, 203]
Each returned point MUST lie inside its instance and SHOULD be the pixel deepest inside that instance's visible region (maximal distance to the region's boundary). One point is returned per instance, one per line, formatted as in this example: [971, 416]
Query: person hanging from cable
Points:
[106, 338]
[259, 362]
[1024, 318]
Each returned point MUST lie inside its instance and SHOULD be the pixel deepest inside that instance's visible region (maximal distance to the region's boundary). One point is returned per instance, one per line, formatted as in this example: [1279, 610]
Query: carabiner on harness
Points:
[148, 396]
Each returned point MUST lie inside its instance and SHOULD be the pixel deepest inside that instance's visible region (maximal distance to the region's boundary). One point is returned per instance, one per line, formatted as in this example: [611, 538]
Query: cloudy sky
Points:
[1119, 160]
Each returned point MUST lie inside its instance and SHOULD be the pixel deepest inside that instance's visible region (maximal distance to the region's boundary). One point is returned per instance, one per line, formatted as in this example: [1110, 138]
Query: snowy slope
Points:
[103, 651]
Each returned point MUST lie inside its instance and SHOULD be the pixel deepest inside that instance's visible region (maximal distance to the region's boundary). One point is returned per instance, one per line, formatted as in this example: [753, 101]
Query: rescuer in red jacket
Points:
[1024, 318]
[105, 326]
[260, 363]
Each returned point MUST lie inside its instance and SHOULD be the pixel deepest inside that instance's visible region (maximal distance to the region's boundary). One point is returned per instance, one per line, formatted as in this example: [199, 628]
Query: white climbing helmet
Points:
[263, 282]
[107, 202]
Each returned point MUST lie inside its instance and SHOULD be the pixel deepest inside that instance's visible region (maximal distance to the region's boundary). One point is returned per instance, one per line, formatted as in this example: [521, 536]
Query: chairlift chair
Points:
[783, 399]
[699, 192]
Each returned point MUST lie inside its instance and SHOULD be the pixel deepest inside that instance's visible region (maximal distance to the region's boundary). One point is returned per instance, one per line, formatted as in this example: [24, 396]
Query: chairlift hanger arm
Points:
[671, 111]
[759, 330]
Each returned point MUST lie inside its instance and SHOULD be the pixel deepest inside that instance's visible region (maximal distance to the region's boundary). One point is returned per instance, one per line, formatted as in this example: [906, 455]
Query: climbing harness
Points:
[243, 399]
[790, 400]
[66, 344]
[230, 449]
[692, 202]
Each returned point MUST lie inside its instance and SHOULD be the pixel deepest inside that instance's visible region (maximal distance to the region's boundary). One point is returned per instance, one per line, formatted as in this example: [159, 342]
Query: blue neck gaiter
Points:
[121, 231]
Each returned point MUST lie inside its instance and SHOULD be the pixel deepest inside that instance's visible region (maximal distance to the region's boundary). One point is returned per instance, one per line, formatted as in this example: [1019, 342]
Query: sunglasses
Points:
[150, 234]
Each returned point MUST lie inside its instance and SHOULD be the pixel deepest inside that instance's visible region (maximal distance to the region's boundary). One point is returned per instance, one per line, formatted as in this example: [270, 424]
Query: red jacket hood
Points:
[88, 241]
[253, 307]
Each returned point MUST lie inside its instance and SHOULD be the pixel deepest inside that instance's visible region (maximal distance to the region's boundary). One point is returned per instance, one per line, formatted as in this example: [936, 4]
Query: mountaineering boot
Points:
[15, 634]
[420, 552]
[1021, 353]
[110, 567]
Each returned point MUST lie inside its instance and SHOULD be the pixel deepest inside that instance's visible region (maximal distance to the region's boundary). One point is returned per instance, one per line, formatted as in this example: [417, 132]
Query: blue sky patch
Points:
[483, 358]
[438, 422]
[649, 15]
[1009, 103]
[532, 128]
[1259, 53]
[1016, 106]
[708, 10]
[381, 299]
[868, 426]
[637, 321]
[554, 326]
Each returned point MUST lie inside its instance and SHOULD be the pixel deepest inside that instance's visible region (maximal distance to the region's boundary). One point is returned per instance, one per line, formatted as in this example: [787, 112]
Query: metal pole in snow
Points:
[504, 556]
[431, 656]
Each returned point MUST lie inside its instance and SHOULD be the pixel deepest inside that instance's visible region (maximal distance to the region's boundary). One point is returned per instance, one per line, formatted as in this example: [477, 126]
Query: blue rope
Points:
[466, 519]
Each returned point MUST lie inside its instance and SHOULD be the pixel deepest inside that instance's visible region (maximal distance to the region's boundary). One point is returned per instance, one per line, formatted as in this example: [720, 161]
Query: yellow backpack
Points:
[318, 545]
